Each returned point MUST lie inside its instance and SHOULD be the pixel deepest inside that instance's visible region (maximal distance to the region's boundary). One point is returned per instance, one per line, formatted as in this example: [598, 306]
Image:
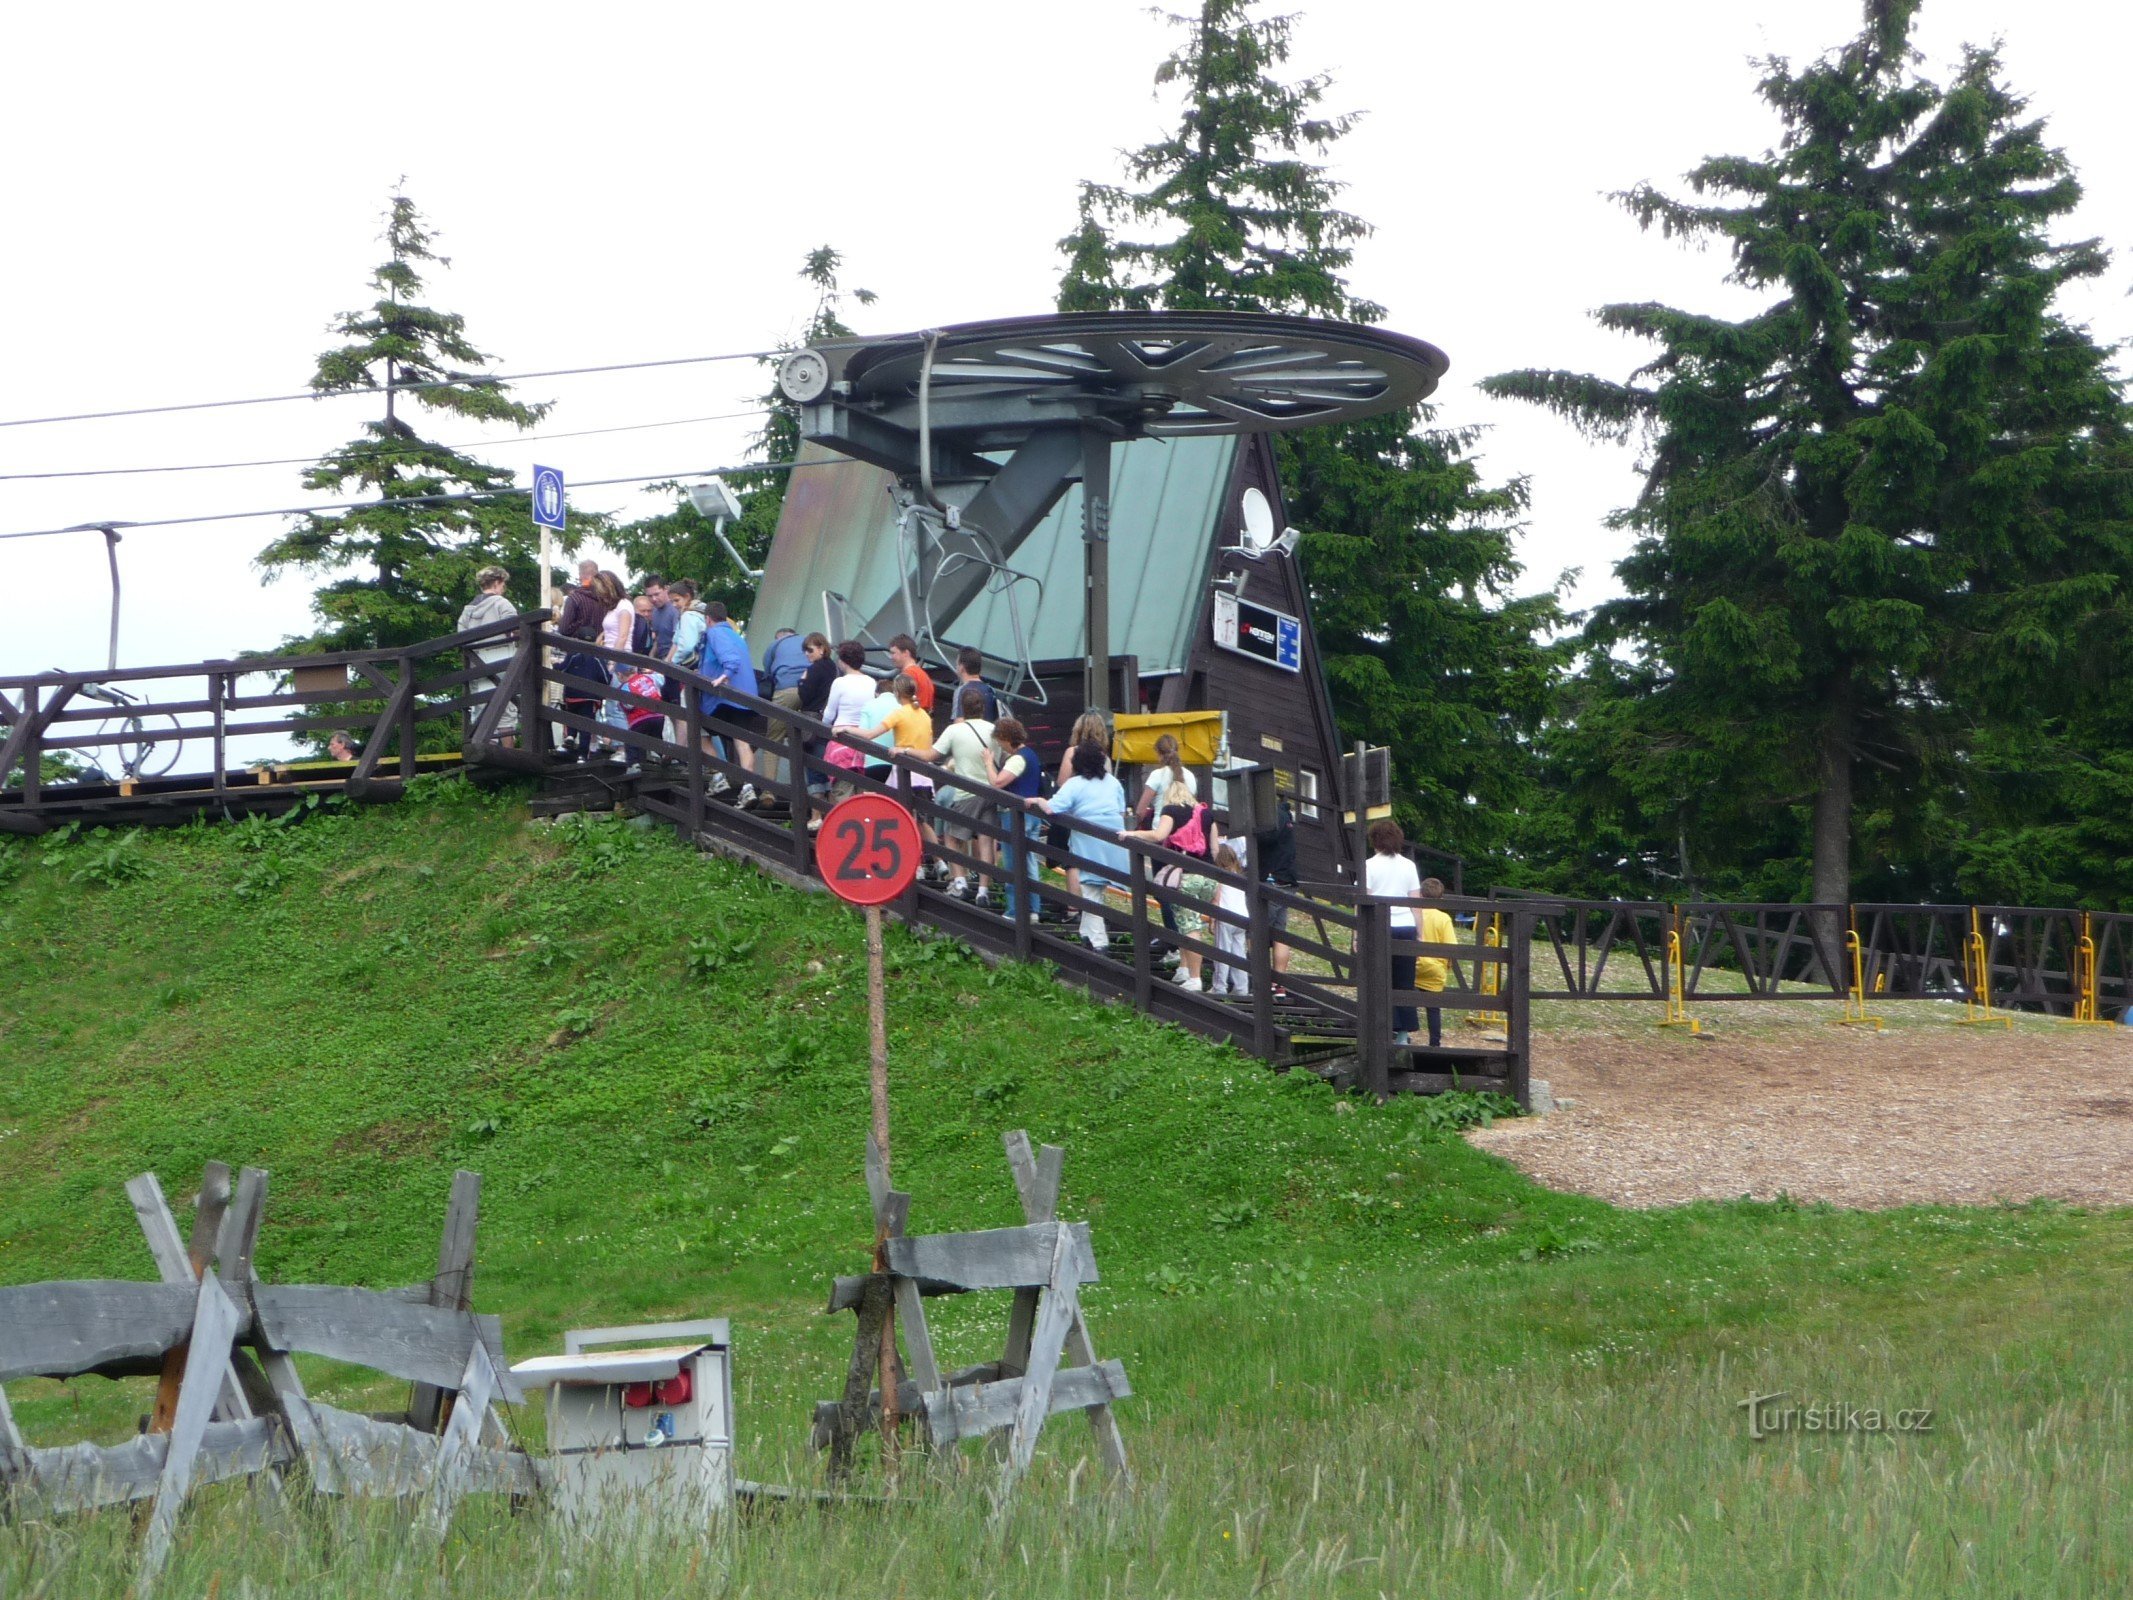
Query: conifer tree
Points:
[409, 565]
[1406, 550]
[680, 543]
[1880, 534]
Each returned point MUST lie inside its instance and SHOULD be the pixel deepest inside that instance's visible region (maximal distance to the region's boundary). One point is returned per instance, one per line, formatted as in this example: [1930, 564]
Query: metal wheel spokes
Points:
[1179, 373]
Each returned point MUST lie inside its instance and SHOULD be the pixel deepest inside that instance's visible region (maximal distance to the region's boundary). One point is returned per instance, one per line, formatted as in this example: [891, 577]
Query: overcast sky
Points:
[193, 191]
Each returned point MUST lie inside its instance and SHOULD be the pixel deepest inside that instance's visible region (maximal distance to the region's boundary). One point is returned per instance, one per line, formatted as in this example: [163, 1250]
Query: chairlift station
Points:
[1091, 501]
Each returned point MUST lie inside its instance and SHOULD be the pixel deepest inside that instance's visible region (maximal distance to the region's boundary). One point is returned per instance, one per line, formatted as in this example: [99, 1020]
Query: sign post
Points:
[548, 513]
[548, 516]
[869, 849]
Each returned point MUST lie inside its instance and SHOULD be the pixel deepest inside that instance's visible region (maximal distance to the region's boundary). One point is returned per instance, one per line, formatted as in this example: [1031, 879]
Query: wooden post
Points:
[453, 1287]
[1143, 957]
[32, 752]
[692, 718]
[878, 1083]
[1518, 1012]
[1021, 881]
[1259, 964]
[1373, 1005]
[796, 801]
[532, 735]
[408, 768]
[218, 687]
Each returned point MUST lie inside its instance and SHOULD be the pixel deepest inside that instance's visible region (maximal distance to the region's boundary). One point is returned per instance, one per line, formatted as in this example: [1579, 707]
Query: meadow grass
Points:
[1367, 1358]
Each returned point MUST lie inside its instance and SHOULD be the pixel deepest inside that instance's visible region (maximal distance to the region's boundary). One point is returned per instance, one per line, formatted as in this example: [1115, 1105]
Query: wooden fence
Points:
[1329, 1008]
[229, 1402]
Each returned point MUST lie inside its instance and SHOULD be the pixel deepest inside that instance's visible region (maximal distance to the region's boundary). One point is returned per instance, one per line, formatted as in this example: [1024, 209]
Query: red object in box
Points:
[674, 1391]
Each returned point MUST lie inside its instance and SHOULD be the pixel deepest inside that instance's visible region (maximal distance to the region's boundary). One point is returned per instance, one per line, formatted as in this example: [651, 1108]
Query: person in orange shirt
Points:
[903, 656]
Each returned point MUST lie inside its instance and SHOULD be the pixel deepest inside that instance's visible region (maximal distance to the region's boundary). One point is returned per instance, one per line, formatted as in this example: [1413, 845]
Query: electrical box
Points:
[640, 1417]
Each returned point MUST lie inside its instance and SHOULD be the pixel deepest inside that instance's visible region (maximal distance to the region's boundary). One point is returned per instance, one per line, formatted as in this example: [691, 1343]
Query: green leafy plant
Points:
[264, 877]
[110, 861]
[1232, 1215]
[997, 1090]
[709, 954]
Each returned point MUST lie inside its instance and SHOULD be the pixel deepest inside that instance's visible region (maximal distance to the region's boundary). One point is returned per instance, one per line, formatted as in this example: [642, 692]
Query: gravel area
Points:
[1774, 1100]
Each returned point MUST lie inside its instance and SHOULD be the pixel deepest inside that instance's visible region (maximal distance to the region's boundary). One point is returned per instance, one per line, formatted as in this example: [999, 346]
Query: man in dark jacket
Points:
[581, 611]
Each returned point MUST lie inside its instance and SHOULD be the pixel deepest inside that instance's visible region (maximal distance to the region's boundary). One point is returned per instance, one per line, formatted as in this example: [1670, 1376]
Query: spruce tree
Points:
[409, 566]
[1407, 552]
[1880, 534]
[680, 543]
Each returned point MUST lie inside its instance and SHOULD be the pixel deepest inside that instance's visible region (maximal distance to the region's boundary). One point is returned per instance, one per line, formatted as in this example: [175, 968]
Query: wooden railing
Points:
[1338, 985]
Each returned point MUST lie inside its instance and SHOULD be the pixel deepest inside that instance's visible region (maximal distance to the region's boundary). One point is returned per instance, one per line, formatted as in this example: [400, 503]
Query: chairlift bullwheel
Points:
[1173, 374]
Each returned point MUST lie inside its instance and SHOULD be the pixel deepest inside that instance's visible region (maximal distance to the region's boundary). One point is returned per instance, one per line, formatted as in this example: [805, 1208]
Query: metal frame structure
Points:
[987, 424]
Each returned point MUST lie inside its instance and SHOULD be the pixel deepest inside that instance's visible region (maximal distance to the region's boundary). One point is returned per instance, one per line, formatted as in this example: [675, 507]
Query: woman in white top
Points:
[848, 697]
[1167, 771]
[1392, 875]
[618, 621]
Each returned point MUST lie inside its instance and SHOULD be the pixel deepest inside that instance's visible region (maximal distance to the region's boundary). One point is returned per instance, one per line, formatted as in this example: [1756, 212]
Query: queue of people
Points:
[972, 762]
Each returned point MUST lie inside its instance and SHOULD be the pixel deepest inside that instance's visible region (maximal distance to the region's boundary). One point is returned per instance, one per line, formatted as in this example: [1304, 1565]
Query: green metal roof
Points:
[838, 532]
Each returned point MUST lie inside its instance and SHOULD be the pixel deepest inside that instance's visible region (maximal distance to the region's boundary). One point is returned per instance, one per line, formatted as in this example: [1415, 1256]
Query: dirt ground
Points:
[1774, 1099]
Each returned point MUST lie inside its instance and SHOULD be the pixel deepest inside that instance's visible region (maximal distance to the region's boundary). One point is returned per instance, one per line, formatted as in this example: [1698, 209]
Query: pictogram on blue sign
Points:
[548, 498]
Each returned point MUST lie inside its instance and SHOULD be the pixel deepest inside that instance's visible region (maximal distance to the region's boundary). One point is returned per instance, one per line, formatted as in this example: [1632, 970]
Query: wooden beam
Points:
[1038, 1181]
[176, 1262]
[969, 1411]
[423, 1344]
[997, 1258]
[453, 1287]
[215, 1324]
[1033, 1398]
[82, 1477]
[59, 1330]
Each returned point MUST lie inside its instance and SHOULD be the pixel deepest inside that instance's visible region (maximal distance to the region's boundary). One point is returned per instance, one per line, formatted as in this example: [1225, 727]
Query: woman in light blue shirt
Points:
[1093, 797]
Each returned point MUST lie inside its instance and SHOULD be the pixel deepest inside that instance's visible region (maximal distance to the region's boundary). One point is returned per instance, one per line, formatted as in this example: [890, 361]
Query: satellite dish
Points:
[1258, 522]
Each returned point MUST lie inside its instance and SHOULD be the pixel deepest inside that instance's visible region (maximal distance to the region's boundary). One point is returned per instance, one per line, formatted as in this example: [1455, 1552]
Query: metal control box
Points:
[648, 1425]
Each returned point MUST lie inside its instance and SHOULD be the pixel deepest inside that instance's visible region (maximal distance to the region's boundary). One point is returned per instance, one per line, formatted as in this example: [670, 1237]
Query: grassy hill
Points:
[1369, 1359]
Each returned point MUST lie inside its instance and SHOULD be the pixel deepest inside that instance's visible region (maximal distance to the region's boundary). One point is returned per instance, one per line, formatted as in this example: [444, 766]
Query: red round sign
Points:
[868, 849]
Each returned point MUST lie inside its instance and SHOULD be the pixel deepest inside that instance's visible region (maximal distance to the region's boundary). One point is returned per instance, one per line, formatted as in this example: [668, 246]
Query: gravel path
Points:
[1925, 1113]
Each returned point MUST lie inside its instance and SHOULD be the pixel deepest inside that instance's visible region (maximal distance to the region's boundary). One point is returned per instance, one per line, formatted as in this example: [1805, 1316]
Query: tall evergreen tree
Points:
[1407, 551]
[410, 566]
[1880, 534]
[680, 542]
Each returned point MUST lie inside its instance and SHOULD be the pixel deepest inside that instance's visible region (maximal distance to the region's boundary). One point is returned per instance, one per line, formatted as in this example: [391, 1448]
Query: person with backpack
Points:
[1018, 772]
[1169, 769]
[1183, 826]
[965, 748]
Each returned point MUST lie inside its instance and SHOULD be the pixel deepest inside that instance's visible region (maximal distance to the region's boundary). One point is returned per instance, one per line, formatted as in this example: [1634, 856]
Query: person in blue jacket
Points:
[726, 664]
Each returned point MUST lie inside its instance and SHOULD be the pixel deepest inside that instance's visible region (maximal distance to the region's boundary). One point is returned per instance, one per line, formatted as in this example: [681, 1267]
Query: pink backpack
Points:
[1189, 838]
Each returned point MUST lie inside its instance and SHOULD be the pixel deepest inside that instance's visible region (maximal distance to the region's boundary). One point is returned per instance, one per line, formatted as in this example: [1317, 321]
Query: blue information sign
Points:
[548, 498]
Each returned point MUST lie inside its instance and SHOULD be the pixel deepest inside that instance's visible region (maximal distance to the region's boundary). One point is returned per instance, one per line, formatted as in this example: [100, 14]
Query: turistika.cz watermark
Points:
[1772, 1414]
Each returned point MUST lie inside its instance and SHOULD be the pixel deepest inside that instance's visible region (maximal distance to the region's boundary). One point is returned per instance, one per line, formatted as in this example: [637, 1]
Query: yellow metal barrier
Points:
[1489, 979]
[1855, 1013]
[1677, 985]
[2085, 1010]
[1977, 982]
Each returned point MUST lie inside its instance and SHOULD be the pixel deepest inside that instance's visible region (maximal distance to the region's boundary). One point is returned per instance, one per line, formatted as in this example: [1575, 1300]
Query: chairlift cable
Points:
[466, 381]
[417, 500]
[299, 461]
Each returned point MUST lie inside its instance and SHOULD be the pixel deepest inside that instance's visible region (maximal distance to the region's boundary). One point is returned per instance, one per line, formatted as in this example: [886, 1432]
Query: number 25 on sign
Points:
[869, 849]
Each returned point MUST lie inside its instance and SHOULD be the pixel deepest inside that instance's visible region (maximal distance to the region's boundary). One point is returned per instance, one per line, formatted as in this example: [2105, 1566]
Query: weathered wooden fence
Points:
[229, 1402]
[1049, 1364]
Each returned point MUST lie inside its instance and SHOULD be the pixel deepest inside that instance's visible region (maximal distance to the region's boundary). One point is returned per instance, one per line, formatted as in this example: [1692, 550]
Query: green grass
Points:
[1368, 1358]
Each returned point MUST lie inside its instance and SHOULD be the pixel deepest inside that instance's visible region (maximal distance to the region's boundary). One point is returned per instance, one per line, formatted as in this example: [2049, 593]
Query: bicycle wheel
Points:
[162, 741]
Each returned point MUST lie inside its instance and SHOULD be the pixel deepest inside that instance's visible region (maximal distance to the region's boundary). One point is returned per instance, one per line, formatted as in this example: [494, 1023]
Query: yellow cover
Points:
[1199, 735]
